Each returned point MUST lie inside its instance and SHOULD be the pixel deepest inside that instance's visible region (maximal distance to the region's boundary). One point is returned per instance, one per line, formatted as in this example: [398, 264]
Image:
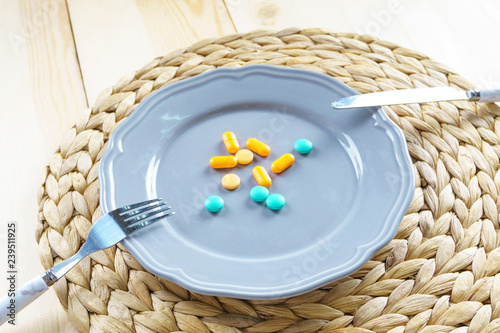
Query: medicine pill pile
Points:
[231, 181]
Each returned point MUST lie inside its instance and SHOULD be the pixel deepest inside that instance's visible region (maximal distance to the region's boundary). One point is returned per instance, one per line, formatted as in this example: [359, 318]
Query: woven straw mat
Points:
[439, 274]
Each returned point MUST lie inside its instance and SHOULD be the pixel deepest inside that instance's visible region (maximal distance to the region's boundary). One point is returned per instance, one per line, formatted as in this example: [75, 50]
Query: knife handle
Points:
[489, 95]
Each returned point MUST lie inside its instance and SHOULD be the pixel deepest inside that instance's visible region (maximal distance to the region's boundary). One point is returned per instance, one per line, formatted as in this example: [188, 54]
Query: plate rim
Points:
[177, 275]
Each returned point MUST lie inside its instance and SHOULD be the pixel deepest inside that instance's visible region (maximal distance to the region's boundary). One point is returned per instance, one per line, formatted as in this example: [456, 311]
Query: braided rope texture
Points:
[439, 274]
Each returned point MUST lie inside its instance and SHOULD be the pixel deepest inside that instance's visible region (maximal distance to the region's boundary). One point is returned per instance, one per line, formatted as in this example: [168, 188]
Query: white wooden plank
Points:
[458, 33]
[42, 96]
[116, 37]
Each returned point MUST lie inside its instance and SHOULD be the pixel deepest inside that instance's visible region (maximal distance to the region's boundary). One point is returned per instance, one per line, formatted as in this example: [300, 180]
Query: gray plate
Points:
[344, 200]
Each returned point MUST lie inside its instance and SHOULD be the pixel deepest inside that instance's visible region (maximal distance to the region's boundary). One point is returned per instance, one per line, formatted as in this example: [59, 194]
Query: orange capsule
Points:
[282, 163]
[258, 147]
[220, 162]
[261, 176]
[230, 142]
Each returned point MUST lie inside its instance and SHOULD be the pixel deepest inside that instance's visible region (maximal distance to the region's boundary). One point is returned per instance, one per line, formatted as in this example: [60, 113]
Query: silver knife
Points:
[420, 95]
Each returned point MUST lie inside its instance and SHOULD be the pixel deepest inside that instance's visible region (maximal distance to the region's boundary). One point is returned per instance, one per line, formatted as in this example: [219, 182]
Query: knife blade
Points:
[420, 95]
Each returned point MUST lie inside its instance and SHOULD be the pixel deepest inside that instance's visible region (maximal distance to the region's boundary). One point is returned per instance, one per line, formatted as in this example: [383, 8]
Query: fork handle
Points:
[17, 299]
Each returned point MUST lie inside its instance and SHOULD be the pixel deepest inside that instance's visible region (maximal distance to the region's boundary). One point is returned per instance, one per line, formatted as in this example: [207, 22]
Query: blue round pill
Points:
[214, 203]
[303, 146]
[259, 193]
[275, 201]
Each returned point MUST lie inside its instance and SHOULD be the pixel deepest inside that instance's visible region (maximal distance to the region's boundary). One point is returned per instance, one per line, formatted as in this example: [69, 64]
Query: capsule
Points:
[282, 163]
[261, 176]
[230, 142]
[221, 162]
[258, 147]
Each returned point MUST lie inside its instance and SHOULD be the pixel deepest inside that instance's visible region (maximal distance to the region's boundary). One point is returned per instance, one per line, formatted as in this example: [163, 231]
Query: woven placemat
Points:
[439, 274]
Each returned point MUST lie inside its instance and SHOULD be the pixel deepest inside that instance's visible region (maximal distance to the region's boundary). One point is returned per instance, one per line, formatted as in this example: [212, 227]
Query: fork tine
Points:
[127, 208]
[134, 227]
[147, 214]
[133, 212]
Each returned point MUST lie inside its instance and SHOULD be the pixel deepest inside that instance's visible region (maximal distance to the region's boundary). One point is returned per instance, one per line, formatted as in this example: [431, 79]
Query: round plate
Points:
[344, 200]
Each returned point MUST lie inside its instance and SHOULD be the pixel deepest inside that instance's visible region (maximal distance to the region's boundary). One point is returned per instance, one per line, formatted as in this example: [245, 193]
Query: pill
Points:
[230, 142]
[244, 156]
[214, 203]
[258, 147]
[282, 163]
[220, 162]
[259, 193]
[303, 146]
[261, 176]
[230, 181]
[275, 201]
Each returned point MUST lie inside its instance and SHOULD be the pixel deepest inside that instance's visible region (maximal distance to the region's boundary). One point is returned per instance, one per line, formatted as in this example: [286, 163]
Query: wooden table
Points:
[57, 55]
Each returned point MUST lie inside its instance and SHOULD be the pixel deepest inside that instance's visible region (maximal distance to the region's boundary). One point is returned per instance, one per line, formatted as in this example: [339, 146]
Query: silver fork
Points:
[107, 231]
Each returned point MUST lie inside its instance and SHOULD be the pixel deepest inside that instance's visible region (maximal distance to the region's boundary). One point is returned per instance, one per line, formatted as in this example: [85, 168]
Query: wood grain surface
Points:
[57, 56]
